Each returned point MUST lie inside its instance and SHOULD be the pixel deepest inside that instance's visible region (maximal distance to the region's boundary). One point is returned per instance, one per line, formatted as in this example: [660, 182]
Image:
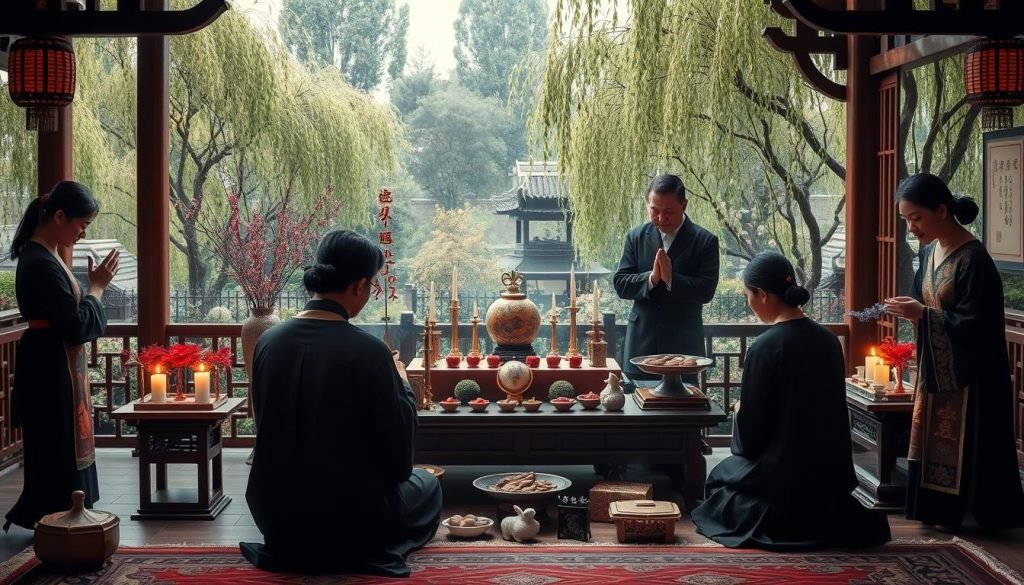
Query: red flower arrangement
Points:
[898, 355]
[178, 357]
[264, 247]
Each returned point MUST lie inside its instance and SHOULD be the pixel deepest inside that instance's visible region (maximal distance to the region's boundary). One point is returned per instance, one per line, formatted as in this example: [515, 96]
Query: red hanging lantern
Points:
[994, 74]
[41, 78]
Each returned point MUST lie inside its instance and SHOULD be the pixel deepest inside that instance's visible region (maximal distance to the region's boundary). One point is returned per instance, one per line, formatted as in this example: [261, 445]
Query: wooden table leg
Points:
[696, 471]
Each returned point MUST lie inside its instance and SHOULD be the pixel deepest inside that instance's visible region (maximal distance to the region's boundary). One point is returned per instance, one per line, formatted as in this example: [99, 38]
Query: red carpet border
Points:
[944, 563]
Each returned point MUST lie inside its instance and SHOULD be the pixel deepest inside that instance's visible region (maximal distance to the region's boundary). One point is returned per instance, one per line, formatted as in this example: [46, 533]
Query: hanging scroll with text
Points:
[1004, 198]
[386, 284]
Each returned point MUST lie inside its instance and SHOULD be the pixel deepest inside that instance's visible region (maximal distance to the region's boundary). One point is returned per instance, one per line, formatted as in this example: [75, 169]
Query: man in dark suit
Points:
[669, 269]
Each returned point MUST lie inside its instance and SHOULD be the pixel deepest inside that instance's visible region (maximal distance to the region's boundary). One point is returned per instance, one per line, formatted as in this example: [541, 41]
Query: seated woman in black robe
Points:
[332, 487]
[789, 480]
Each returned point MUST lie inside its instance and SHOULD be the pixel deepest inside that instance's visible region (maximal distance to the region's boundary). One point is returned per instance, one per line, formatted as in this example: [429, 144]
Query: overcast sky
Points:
[430, 26]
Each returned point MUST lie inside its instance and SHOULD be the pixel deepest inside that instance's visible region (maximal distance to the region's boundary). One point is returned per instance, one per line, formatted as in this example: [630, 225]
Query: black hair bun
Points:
[320, 278]
[796, 295]
[965, 210]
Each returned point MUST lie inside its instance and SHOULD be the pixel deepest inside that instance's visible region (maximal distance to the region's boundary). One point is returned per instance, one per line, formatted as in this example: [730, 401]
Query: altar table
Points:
[577, 437]
[881, 435]
[443, 379]
[180, 436]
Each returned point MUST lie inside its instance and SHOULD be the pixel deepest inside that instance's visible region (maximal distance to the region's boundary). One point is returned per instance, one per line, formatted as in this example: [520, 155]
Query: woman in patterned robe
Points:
[962, 457]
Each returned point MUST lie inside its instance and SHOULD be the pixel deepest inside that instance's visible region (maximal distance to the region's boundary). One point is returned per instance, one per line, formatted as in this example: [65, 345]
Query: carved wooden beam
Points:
[17, 20]
[899, 18]
[805, 43]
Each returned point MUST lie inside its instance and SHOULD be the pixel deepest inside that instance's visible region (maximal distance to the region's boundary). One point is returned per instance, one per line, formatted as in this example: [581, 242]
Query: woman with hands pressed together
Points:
[50, 400]
[962, 457]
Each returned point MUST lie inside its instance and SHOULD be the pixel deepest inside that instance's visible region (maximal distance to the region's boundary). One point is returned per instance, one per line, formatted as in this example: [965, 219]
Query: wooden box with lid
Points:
[606, 492]
[644, 520]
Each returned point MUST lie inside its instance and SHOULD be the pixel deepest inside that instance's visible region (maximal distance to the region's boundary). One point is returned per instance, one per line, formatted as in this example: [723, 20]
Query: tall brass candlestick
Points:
[572, 350]
[554, 334]
[455, 328]
[428, 396]
[475, 349]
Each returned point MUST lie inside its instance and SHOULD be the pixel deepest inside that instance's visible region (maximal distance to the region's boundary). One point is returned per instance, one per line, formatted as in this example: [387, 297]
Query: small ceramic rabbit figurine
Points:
[612, 397]
[521, 527]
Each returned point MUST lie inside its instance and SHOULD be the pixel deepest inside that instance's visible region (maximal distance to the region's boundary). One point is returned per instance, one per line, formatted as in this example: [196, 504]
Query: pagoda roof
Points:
[539, 189]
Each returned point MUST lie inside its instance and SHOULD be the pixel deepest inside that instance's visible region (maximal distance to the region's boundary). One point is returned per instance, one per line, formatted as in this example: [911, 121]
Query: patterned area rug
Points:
[903, 564]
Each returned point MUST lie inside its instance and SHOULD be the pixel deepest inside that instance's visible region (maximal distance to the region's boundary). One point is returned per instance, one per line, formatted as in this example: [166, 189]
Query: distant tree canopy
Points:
[364, 39]
[456, 145]
[243, 116]
[419, 80]
[492, 36]
[693, 88]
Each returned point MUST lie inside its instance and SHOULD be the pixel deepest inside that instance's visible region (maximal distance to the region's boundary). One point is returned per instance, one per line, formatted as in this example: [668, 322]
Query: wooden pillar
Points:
[862, 122]
[54, 156]
[152, 182]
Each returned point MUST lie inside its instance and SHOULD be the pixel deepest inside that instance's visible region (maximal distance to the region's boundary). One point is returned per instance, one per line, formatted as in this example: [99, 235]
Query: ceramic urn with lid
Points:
[78, 537]
[513, 321]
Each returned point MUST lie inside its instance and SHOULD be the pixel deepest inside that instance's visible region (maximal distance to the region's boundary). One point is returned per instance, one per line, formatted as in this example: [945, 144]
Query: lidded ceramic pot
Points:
[513, 321]
[78, 537]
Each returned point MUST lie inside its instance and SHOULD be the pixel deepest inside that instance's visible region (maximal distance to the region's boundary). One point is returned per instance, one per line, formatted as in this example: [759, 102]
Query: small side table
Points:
[180, 436]
[880, 431]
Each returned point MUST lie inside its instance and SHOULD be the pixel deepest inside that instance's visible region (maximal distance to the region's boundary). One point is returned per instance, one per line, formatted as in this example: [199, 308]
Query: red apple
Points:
[575, 361]
[453, 361]
[493, 361]
[472, 361]
[532, 361]
[554, 361]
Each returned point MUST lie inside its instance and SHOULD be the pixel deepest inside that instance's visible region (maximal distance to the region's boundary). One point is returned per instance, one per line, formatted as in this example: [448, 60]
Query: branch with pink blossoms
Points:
[263, 247]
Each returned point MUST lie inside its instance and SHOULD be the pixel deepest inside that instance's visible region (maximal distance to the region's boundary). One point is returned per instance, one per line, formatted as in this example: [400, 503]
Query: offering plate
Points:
[486, 485]
[671, 385]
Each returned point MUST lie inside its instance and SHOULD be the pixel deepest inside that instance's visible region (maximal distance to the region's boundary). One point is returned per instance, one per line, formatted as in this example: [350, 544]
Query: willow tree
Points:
[693, 88]
[244, 116]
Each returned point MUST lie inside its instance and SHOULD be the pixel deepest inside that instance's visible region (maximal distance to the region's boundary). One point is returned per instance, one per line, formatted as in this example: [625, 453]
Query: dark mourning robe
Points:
[962, 457]
[332, 486]
[50, 399]
[789, 480]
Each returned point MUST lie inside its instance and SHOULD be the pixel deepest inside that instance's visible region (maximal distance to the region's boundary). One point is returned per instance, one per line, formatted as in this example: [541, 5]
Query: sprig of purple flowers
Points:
[872, 313]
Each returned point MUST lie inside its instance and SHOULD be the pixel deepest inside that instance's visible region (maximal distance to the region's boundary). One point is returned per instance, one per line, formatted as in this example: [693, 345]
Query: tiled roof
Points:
[539, 188]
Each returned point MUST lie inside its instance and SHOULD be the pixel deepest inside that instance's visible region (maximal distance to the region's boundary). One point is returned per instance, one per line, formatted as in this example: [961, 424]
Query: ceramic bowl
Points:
[435, 470]
[589, 403]
[564, 406]
[532, 406]
[479, 406]
[507, 405]
[450, 406]
[486, 483]
[468, 531]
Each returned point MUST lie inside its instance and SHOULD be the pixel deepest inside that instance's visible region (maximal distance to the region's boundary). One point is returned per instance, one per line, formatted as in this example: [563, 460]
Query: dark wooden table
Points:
[881, 436]
[577, 437]
[180, 436]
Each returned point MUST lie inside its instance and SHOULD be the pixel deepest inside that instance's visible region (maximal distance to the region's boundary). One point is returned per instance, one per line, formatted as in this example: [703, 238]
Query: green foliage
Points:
[457, 239]
[419, 81]
[7, 293]
[219, 315]
[466, 390]
[456, 146]
[364, 39]
[491, 36]
[561, 389]
[1013, 291]
[243, 115]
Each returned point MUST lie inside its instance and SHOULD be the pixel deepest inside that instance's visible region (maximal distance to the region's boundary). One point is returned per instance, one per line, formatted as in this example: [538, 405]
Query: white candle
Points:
[431, 309]
[572, 286]
[869, 365]
[597, 294]
[881, 375]
[158, 387]
[476, 312]
[202, 383]
[553, 304]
